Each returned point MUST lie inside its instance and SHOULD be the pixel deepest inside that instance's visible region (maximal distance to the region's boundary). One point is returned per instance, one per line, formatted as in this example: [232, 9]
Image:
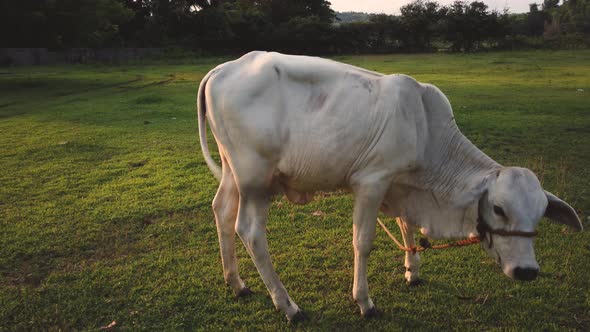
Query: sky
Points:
[393, 6]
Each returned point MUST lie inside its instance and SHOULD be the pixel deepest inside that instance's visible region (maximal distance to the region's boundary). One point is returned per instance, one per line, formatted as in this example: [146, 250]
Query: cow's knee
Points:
[363, 251]
[225, 207]
[218, 206]
[364, 244]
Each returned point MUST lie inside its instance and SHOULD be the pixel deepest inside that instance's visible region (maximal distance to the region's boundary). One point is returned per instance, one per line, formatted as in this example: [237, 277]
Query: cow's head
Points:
[511, 204]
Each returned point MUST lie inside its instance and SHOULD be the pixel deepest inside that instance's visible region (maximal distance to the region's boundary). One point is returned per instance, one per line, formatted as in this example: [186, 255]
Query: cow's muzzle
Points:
[525, 273]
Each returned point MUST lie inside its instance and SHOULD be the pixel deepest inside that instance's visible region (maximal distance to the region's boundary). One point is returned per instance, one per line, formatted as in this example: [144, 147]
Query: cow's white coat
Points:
[295, 125]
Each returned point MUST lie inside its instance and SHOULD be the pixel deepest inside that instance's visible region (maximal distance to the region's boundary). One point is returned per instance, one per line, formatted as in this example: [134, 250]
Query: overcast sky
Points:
[393, 6]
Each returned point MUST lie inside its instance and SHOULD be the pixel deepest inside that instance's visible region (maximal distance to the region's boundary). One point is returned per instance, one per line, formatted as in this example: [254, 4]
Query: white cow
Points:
[296, 124]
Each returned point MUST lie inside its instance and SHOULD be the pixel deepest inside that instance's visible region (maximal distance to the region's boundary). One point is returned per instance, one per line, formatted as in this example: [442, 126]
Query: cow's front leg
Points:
[251, 227]
[367, 199]
[412, 259]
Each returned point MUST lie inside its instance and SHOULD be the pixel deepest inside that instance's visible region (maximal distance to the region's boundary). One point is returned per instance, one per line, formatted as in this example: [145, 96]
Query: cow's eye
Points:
[498, 210]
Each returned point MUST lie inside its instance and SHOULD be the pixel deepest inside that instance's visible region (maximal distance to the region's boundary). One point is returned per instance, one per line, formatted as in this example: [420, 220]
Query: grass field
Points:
[105, 206]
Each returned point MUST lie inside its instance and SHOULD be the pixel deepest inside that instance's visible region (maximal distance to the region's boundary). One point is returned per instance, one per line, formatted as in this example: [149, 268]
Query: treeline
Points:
[295, 26]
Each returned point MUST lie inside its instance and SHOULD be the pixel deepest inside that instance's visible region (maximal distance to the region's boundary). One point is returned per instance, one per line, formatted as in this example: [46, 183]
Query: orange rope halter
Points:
[482, 228]
[424, 244]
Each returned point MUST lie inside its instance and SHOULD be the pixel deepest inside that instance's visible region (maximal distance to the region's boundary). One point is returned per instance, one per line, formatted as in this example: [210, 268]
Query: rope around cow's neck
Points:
[425, 244]
[482, 228]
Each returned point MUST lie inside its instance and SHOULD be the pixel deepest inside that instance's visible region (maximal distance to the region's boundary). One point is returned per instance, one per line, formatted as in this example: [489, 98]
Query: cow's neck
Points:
[452, 166]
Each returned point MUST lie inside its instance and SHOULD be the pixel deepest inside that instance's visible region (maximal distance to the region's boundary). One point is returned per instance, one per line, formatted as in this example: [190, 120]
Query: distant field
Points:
[105, 206]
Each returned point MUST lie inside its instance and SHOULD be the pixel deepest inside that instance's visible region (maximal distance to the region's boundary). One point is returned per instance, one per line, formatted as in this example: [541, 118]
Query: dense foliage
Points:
[296, 26]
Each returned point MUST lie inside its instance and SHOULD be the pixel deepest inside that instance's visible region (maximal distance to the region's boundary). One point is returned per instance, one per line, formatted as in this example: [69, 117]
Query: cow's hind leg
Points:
[367, 200]
[225, 208]
[412, 260]
[251, 227]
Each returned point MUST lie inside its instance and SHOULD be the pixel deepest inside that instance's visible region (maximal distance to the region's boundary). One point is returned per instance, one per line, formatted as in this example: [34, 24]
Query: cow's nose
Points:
[525, 273]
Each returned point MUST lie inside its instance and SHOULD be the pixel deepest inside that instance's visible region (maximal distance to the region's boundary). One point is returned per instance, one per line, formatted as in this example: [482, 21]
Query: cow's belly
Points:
[300, 189]
[309, 164]
[311, 174]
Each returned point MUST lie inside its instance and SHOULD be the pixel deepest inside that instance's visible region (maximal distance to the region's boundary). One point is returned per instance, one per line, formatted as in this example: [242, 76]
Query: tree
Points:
[133, 31]
[281, 11]
[248, 24]
[535, 20]
[550, 4]
[420, 21]
[468, 25]
[63, 23]
[575, 16]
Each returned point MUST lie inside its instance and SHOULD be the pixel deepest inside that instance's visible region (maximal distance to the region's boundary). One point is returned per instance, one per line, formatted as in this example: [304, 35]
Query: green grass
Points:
[105, 206]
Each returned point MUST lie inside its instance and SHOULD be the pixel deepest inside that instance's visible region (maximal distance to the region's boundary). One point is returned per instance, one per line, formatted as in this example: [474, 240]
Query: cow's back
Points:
[318, 121]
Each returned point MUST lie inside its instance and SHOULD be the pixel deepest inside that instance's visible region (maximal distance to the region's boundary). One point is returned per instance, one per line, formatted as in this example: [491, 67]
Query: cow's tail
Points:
[201, 110]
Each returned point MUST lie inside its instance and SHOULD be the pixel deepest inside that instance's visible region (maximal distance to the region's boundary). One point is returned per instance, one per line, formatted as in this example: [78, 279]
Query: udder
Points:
[297, 197]
[282, 184]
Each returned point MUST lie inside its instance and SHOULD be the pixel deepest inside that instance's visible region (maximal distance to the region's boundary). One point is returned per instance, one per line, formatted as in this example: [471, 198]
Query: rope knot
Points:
[424, 243]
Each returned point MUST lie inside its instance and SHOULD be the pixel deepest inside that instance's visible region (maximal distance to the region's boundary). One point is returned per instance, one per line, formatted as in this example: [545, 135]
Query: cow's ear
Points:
[561, 212]
[476, 191]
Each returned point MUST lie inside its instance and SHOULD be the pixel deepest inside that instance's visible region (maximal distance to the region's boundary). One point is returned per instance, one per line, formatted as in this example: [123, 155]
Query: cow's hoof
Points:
[371, 313]
[244, 292]
[299, 317]
[415, 282]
